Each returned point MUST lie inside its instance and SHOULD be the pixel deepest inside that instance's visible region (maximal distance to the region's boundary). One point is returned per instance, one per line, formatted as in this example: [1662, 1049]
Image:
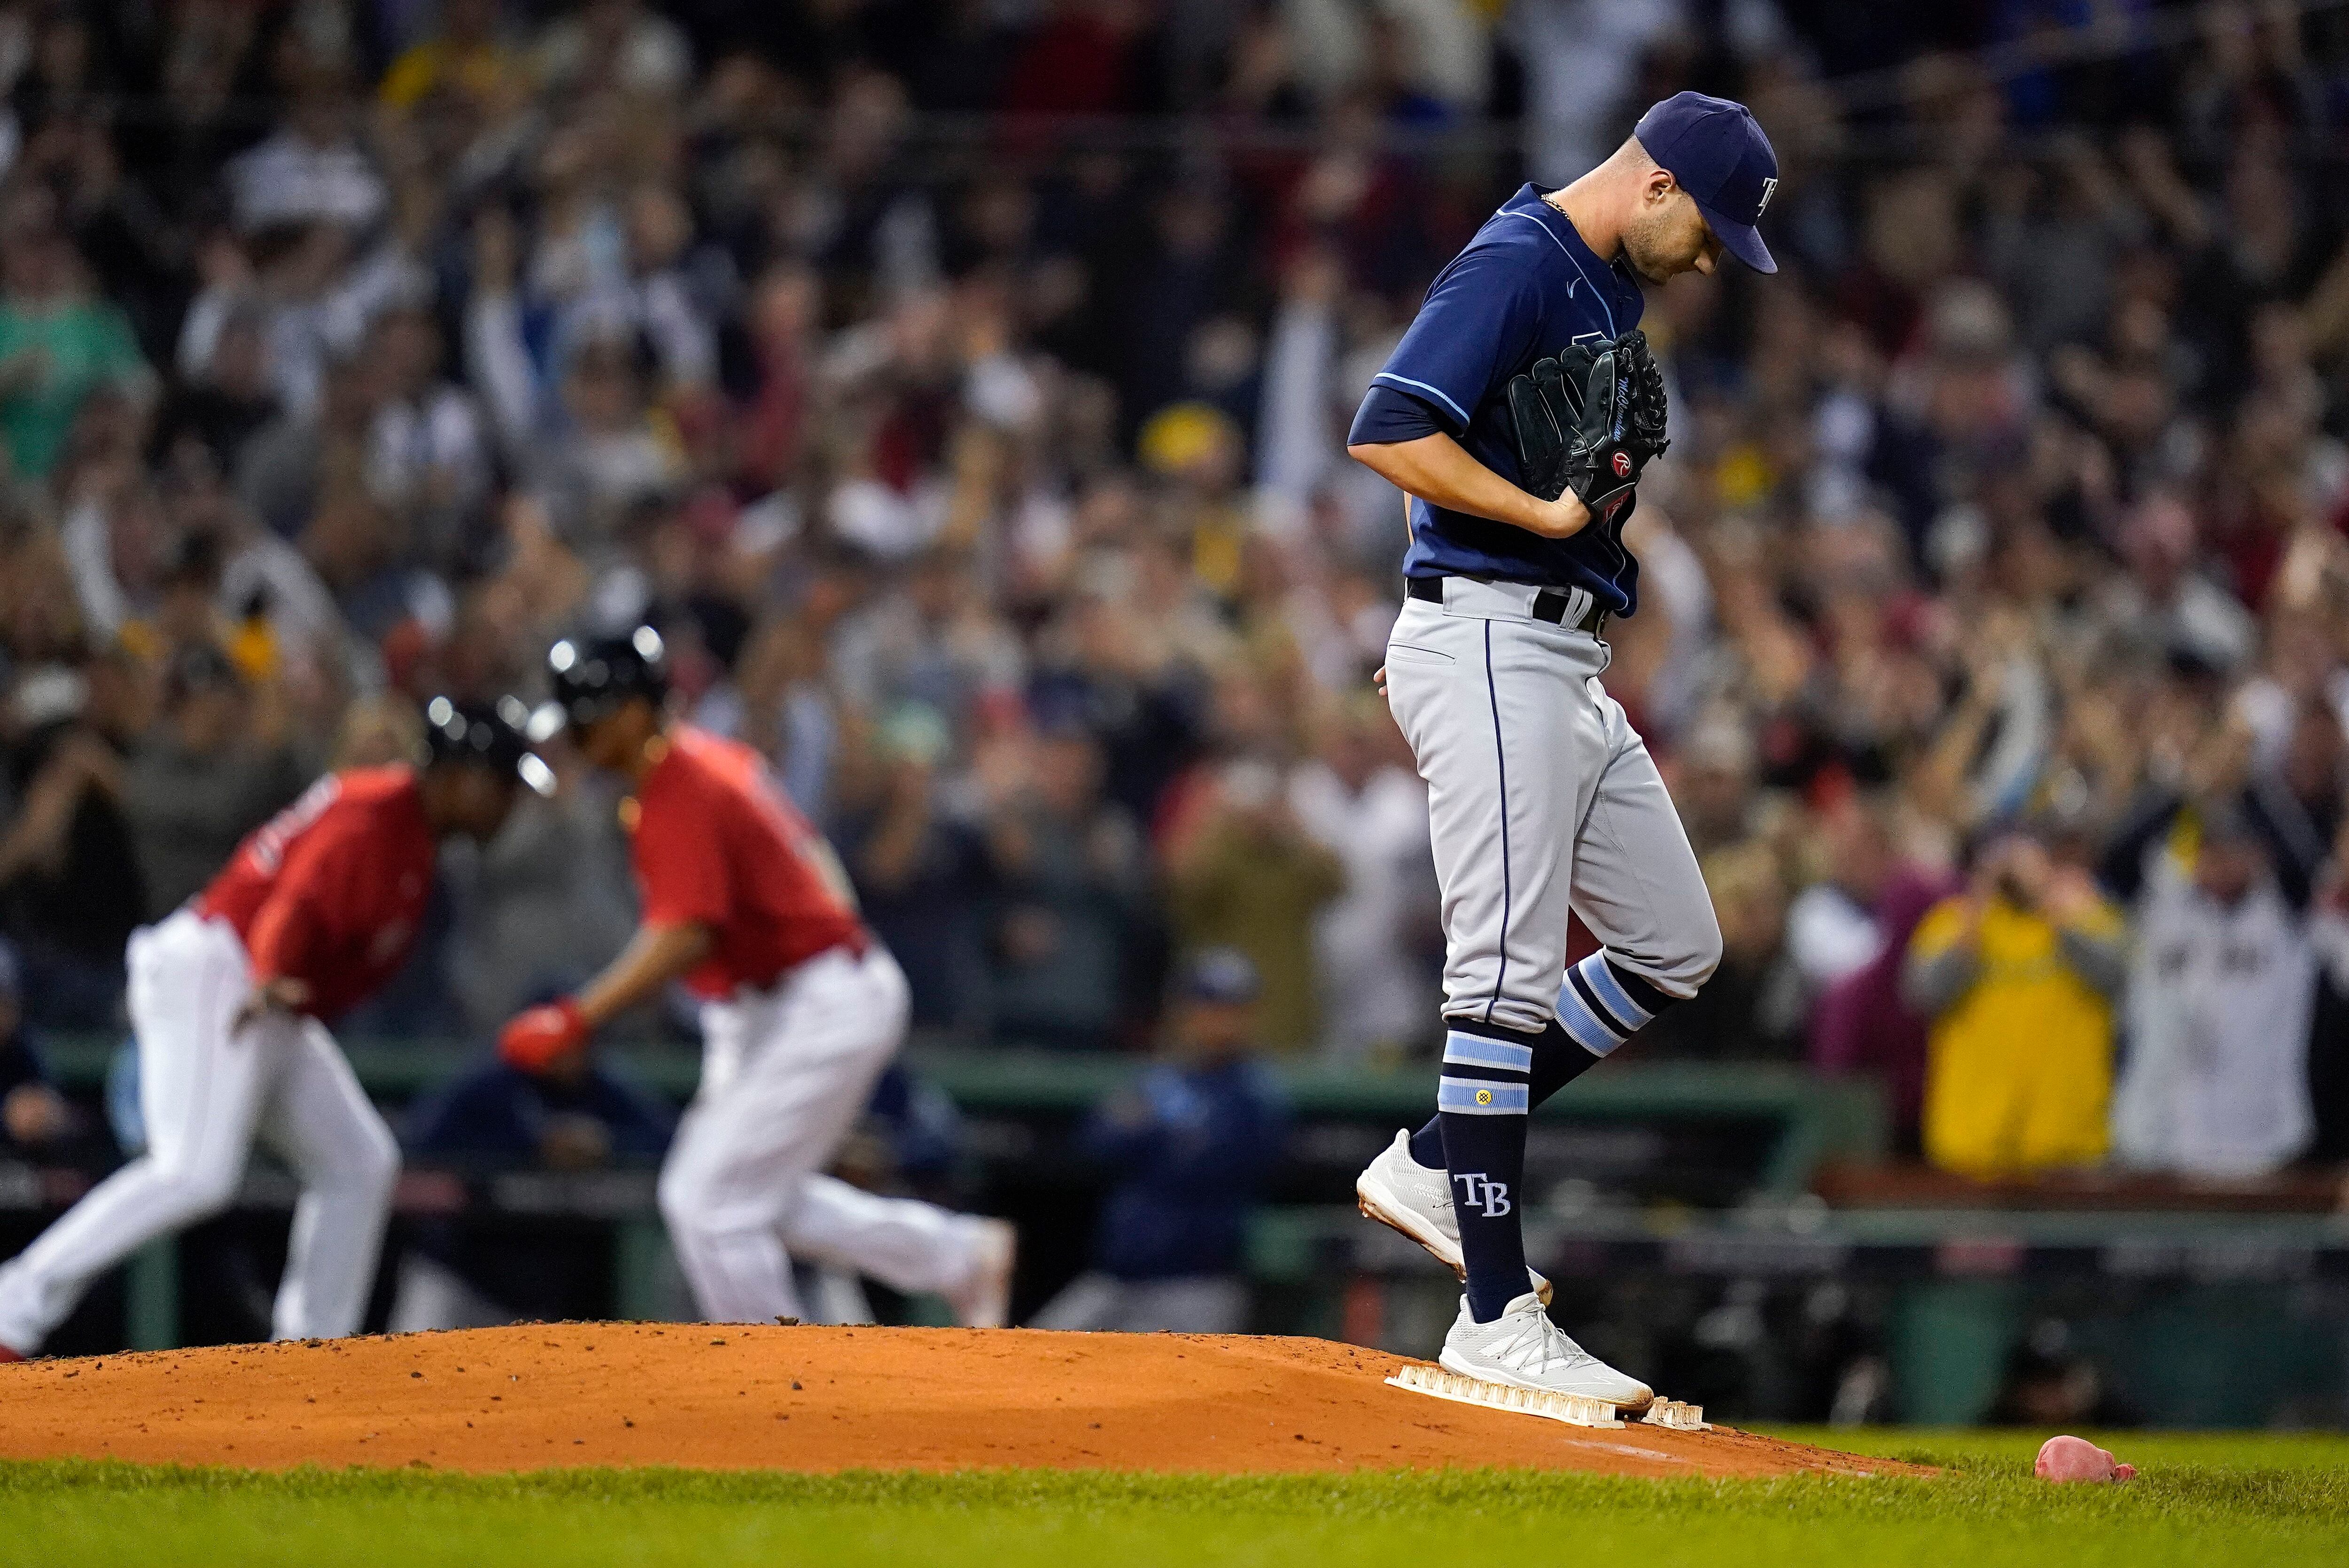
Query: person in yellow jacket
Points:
[2021, 976]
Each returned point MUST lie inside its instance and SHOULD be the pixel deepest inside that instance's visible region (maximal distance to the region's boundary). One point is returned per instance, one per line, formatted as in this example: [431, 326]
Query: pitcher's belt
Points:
[1550, 604]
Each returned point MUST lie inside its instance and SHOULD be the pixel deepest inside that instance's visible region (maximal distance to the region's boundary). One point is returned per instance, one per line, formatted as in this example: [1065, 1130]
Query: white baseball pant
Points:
[785, 1073]
[1541, 798]
[207, 1091]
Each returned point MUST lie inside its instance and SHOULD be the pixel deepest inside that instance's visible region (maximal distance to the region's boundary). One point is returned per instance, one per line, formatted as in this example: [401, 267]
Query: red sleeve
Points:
[294, 926]
[681, 861]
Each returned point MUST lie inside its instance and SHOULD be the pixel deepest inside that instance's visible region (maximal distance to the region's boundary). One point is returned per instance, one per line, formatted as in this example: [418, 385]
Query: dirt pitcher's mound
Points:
[813, 1400]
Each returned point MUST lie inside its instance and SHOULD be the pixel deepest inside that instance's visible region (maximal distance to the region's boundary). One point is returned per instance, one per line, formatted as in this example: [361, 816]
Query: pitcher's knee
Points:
[1703, 956]
[1679, 967]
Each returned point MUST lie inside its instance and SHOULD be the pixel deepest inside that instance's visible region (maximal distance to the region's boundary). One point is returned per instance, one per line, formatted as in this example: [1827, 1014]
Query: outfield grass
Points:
[2205, 1499]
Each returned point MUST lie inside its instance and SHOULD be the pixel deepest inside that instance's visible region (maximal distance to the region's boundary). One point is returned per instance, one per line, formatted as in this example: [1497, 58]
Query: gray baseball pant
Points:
[1541, 799]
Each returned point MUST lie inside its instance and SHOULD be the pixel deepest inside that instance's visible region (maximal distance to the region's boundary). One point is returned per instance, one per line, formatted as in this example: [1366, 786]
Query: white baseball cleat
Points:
[1401, 1193]
[1522, 1348]
[984, 1300]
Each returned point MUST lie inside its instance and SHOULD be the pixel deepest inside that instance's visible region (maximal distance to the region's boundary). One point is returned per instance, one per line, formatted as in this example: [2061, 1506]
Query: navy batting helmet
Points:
[482, 735]
[593, 677]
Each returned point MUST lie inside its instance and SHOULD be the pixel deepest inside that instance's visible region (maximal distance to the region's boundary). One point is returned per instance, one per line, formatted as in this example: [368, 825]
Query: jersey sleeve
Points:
[681, 862]
[1479, 321]
[1388, 416]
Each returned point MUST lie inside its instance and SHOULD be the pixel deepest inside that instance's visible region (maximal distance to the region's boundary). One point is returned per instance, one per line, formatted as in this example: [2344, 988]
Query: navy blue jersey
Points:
[1526, 287]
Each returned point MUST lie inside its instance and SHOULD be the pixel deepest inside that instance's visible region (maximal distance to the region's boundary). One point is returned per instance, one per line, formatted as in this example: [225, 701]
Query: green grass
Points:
[2200, 1498]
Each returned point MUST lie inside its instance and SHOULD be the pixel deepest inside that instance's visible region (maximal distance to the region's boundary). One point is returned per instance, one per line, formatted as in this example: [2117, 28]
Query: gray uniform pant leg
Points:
[1541, 800]
[1637, 884]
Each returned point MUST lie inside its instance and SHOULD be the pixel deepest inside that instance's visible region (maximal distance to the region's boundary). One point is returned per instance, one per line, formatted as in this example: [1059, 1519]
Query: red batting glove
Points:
[533, 1040]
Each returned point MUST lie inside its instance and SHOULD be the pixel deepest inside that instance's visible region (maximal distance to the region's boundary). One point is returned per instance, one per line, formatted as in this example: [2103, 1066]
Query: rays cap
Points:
[1715, 151]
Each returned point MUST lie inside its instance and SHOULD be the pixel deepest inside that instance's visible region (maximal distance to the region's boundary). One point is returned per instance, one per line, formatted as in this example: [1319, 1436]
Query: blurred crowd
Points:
[960, 386]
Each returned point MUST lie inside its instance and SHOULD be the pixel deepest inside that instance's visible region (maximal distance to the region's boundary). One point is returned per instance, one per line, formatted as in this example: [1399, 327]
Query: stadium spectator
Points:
[58, 341]
[1864, 1024]
[1067, 921]
[1374, 945]
[71, 890]
[1189, 1147]
[204, 777]
[921, 873]
[2219, 1001]
[2020, 975]
[312, 171]
[1253, 879]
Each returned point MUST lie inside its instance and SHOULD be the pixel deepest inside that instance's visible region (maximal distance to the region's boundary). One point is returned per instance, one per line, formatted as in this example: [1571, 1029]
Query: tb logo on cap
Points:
[1769, 188]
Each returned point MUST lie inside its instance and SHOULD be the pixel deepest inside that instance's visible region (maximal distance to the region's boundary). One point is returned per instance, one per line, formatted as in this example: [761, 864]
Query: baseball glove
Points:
[1572, 416]
[1646, 434]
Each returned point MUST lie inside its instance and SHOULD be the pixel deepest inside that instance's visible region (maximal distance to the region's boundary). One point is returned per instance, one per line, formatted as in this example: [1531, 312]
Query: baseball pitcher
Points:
[1517, 414]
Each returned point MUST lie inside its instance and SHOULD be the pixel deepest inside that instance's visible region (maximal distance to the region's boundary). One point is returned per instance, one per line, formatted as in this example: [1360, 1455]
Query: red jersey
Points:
[718, 845]
[331, 891]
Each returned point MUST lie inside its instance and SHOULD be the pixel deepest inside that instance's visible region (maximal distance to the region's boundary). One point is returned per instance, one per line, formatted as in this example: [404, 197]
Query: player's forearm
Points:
[1440, 471]
[655, 955]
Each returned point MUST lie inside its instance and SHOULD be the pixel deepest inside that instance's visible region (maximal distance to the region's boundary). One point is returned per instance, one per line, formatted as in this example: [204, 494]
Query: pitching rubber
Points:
[1574, 1410]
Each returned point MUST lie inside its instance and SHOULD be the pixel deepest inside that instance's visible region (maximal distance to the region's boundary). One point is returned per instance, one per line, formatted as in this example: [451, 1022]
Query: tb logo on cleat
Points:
[1486, 1196]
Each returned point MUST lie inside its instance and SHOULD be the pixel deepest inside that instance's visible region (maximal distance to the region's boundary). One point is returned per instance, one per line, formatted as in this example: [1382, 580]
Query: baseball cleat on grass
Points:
[1522, 1348]
[1401, 1193]
[985, 1299]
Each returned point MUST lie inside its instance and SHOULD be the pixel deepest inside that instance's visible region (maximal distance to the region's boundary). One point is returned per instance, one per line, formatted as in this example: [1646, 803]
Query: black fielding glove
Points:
[1545, 405]
[1538, 408]
[1572, 417]
[1645, 430]
[1600, 469]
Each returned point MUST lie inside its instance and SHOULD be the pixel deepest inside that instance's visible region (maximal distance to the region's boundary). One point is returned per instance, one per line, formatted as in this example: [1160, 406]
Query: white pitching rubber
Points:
[1574, 1410]
[1680, 1418]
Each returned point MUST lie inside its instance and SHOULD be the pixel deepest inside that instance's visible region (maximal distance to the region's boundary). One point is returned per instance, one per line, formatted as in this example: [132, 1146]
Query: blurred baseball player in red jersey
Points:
[230, 995]
[801, 1009]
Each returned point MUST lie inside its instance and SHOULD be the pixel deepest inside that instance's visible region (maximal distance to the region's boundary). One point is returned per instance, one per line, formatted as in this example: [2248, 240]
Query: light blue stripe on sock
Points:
[1476, 1051]
[1480, 1096]
[1575, 1016]
[1609, 990]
